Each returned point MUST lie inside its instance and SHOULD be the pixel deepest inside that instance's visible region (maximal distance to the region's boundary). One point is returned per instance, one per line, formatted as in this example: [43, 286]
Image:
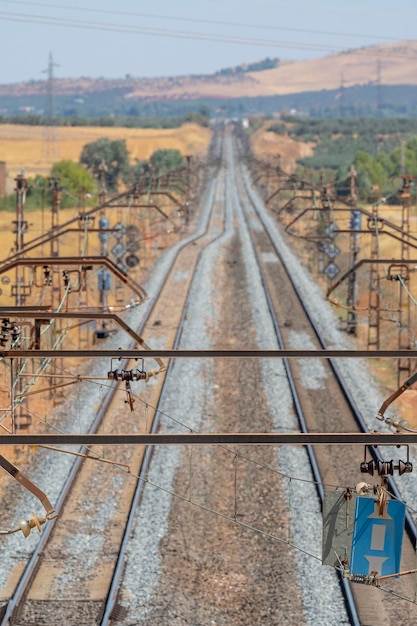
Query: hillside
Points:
[27, 148]
[396, 63]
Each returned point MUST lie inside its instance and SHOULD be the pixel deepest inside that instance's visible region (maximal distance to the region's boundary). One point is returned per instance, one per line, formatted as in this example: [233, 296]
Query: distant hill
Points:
[388, 65]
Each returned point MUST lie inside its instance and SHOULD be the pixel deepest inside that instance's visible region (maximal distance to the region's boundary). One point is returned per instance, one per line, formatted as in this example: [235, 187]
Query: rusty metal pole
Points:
[189, 160]
[19, 413]
[85, 221]
[55, 329]
[324, 216]
[20, 227]
[404, 301]
[102, 194]
[104, 278]
[373, 298]
[355, 225]
[56, 193]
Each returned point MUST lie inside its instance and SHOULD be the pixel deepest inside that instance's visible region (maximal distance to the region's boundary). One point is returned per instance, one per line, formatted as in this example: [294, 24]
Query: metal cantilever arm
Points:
[410, 381]
[27, 484]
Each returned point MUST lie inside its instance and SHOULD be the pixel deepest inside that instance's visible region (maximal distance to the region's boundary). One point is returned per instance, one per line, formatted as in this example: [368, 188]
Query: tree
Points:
[37, 191]
[73, 178]
[166, 160]
[197, 118]
[113, 152]
[373, 169]
[136, 171]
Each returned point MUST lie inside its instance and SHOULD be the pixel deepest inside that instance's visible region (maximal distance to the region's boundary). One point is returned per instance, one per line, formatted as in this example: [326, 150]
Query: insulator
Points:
[355, 220]
[84, 218]
[4, 331]
[5, 325]
[118, 375]
[104, 224]
[47, 275]
[139, 375]
[104, 280]
[16, 335]
[132, 233]
[368, 467]
[385, 468]
[65, 274]
[102, 333]
[362, 488]
[26, 525]
[127, 375]
[404, 467]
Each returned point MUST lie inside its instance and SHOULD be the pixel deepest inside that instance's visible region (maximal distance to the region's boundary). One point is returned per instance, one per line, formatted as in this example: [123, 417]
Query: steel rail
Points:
[409, 522]
[410, 525]
[34, 561]
[344, 583]
[293, 389]
[141, 482]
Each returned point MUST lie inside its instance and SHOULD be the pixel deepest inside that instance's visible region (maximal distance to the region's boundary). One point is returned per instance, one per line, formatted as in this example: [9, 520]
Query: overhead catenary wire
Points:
[268, 535]
[181, 34]
[230, 518]
[161, 32]
[193, 20]
[234, 519]
[174, 420]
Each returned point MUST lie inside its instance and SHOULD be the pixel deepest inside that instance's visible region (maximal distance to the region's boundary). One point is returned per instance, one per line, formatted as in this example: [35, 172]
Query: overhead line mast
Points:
[50, 134]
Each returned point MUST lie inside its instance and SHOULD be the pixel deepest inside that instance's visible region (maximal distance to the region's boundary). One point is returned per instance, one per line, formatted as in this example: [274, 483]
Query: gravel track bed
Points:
[362, 386]
[185, 565]
[368, 398]
[49, 469]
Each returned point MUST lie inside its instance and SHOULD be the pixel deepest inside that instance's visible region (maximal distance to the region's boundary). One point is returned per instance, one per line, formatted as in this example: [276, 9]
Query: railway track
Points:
[42, 579]
[326, 405]
[106, 557]
[195, 535]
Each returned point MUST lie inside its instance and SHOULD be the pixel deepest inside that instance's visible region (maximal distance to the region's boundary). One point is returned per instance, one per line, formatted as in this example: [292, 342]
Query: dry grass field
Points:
[28, 148]
[393, 62]
[358, 67]
[269, 145]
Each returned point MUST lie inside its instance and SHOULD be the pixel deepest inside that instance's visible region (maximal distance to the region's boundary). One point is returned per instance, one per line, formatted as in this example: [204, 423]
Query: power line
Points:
[193, 35]
[199, 20]
[161, 32]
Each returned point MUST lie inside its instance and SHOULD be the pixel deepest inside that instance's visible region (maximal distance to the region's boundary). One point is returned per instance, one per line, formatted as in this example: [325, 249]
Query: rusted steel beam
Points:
[297, 439]
[209, 354]
[80, 262]
[355, 267]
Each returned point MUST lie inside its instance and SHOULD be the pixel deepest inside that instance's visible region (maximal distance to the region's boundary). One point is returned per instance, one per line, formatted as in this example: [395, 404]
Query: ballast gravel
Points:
[218, 594]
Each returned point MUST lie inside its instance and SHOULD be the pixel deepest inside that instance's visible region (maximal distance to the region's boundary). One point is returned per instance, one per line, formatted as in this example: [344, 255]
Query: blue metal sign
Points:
[377, 539]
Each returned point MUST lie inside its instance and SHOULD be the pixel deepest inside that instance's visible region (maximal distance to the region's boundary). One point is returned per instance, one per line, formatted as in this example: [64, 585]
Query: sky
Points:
[104, 38]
